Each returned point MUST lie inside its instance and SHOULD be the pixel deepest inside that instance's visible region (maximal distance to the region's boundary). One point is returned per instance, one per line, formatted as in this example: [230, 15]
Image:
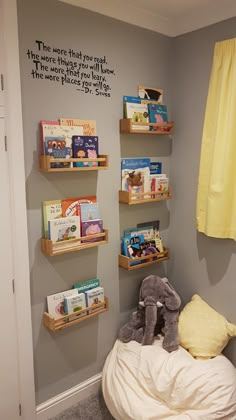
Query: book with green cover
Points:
[87, 285]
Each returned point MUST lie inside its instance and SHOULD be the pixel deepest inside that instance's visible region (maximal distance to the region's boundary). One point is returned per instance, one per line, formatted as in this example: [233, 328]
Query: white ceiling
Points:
[169, 17]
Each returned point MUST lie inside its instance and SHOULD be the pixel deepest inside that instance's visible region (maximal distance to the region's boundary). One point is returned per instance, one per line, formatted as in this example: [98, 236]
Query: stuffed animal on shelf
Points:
[157, 312]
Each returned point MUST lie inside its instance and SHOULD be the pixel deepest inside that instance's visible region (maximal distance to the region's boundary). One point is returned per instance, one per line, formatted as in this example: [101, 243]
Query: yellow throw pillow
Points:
[202, 330]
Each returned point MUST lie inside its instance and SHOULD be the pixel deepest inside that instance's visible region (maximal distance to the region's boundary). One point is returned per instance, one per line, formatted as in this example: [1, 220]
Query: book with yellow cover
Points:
[52, 209]
[89, 126]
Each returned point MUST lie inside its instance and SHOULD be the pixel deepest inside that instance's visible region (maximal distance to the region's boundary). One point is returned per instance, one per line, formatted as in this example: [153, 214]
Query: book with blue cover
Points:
[56, 147]
[89, 211]
[146, 231]
[155, 168]
[131, 247]
[85, 147]
[158, 115]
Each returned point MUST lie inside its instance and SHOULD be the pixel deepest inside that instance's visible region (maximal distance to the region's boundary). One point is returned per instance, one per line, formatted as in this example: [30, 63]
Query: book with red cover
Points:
[71, 206]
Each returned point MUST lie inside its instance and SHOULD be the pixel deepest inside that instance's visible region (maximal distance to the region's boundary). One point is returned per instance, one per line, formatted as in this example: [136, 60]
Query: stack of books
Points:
[69, 138]
[81, 296]
[147, 107]
[72, 218]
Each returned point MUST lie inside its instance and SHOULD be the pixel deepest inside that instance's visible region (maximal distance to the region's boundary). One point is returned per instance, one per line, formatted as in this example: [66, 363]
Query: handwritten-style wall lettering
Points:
[87, 73]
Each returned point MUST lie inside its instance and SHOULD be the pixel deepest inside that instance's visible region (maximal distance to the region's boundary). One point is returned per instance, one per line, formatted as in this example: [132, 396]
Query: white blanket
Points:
[147, 383]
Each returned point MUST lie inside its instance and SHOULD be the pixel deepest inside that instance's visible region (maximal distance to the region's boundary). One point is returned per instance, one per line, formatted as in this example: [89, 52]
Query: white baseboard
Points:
[66, 399]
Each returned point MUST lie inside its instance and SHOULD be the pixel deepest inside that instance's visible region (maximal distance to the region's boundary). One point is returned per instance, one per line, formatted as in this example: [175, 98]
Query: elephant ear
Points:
[172, 300]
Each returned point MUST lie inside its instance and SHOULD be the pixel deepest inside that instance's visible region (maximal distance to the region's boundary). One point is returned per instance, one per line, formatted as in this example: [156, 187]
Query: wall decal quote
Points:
[87, 73]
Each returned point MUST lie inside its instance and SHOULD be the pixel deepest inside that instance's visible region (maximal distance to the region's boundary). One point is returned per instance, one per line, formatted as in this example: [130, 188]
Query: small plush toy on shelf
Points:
[157, 312]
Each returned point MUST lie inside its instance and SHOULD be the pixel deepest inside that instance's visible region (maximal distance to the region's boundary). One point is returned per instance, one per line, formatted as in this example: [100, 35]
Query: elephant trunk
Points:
[150, 320]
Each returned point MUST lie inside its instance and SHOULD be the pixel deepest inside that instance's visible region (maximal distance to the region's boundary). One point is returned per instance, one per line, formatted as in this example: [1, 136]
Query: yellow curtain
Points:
[216, 196]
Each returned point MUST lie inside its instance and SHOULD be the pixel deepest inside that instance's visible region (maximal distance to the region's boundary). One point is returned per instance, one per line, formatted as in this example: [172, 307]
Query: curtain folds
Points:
[216, 196]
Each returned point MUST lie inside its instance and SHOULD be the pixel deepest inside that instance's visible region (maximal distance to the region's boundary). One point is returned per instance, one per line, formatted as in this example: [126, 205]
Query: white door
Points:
[1, 59]
[9, 385]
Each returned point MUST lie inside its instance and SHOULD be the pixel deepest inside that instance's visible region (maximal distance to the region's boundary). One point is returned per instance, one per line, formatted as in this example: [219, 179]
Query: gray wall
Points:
[64, 359]
[199, 264]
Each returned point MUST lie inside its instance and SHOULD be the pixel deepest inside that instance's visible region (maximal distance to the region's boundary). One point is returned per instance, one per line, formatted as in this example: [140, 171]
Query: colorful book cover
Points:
[149, 247]
[88, 126]
[138, 113]
[64, 228]
[59, 131]
[71, 206]
[131, 99]
[146, 231]
[87, 285]
[155, 168]
[56, 306]
[131, 247]
[52, 209]
[155, 94]
[43, 124]
[93, 297]
[135, 174]
[89, 211]
[55, 147]
[72, 304]
[85, 147]
[156, 226]
[159, 183]
[92, 227]
[158, 115]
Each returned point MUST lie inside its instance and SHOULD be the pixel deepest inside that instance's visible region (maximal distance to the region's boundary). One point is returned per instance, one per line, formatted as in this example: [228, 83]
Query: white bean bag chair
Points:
[146, 382]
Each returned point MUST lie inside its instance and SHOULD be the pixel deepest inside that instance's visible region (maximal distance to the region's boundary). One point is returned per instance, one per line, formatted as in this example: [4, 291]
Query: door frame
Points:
[14, 130]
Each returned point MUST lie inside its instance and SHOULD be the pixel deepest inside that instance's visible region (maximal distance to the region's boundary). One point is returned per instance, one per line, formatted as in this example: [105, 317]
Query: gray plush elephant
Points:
[157, 312]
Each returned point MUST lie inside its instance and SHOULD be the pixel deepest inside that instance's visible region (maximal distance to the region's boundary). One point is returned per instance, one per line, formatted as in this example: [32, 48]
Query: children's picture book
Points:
[159, 183]
[149, 247]
[64, 228]
[72, 304]
[89, 211]
[156, 234]
[85, 147]
[132, 99]
[131, 247]
[55, 303]
[92, 227]
[158, 115]
[146, 231]
[71, 206]
[43, 124]
[138, 113]
[59, 131]
[135, 173]
[87, 285]
[159, 244]
[52, 209]
[88, 126]
[155, 168]
[56, 148]
[93, 297]
[155, 94]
